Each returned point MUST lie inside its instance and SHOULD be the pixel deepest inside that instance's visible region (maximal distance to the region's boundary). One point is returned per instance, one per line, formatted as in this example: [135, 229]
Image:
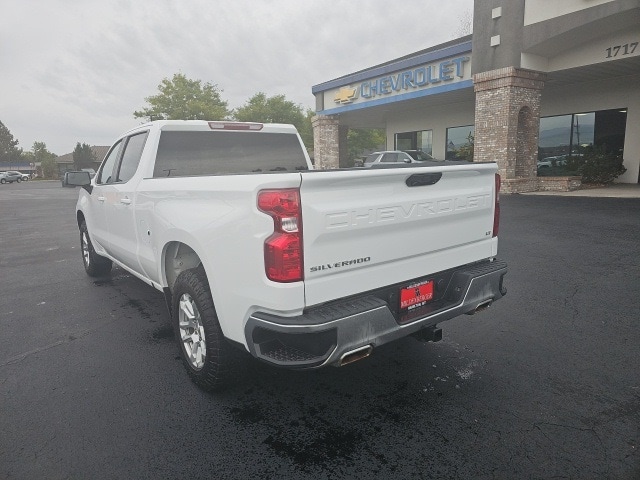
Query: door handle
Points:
[101, 199]
[125, 201]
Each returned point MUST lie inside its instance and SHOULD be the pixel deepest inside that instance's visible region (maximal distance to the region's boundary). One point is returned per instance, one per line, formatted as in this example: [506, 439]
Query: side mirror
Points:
[407, 160]
[76, 179]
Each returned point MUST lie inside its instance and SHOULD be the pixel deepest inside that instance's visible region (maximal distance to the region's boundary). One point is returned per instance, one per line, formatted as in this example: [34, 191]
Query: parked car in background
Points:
[388, 157]
[23, 176]
[557, 161]
[397, 156]
[420, 155]
[10, 177]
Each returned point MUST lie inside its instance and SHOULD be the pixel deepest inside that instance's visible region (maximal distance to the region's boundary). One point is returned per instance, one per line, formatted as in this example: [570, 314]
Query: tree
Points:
[49, 167]
[83, 156]
[465, 25]
[306, 130]
[361, 141]
[39, 154]
[9, 151]
[277, 109]
[183, 99]
[465, 152]
[47, 160]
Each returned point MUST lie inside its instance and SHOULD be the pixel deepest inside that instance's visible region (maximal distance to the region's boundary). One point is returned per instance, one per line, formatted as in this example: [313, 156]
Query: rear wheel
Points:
[3, 181]
[94, 264]
[205, 353]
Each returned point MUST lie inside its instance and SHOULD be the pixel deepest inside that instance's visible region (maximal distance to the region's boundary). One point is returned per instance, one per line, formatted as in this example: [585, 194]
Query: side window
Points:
[106, 171]
[390, 158]
[371, 158]
[131, 157]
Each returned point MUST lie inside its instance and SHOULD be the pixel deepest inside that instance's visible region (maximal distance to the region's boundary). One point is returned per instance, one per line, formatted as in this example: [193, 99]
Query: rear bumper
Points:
[325, 335]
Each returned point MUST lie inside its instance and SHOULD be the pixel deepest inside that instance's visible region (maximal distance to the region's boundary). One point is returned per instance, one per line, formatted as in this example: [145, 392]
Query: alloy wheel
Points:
[191, 332]
[85, 249]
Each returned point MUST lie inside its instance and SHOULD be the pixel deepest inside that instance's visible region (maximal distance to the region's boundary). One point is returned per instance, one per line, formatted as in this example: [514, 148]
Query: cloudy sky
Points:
[75, 70]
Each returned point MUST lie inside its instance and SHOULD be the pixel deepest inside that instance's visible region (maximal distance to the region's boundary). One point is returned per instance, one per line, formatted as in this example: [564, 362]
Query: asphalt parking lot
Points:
[544, 384]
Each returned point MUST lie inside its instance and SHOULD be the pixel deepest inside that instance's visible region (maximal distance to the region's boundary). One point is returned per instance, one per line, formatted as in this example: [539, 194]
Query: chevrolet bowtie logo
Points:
[346, 95]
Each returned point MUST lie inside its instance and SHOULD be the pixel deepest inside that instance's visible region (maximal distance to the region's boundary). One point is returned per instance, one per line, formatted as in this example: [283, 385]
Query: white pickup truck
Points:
[301, 268]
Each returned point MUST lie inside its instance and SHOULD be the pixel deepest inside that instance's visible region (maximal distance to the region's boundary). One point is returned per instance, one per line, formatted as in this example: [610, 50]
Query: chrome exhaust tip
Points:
[481, 306]
[355, 355]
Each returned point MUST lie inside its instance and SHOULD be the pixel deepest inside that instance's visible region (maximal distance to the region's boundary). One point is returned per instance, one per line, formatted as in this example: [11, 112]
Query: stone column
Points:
[343, 151]
[507, 120]
[326, 141]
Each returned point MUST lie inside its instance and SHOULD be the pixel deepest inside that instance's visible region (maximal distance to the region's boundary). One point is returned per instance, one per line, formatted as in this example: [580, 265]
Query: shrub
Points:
[596, 166]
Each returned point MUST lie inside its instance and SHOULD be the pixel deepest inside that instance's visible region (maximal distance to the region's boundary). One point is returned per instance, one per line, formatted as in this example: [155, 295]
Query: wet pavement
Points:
[544, 384]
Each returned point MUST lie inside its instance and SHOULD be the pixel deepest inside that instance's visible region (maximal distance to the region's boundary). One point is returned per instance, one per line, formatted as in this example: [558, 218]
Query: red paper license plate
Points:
[416, 295]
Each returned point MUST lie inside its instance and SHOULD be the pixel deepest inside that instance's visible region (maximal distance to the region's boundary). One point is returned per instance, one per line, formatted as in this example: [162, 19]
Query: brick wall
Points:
[507, 120]
[559, 184]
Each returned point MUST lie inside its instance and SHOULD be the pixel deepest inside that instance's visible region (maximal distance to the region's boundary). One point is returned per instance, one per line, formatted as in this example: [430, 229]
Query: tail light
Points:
[496, 210]
[283, 249]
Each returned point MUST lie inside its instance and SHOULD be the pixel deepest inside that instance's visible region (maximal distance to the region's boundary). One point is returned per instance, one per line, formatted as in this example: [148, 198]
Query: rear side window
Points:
[131, 156]
[220, 153]
[371, 158]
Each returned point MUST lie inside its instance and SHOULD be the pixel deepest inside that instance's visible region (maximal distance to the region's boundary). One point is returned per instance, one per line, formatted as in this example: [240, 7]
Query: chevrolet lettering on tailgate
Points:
[399, 213]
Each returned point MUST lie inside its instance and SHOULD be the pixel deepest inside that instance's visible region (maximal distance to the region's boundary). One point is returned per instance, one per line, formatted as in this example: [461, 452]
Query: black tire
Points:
[205, 353]
[94, 264]
[3, 181]
[18, 180]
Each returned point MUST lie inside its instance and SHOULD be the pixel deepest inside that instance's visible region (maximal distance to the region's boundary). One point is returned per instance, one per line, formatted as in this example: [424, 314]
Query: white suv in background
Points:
[23, 176]
[10, 177]
[388, 157]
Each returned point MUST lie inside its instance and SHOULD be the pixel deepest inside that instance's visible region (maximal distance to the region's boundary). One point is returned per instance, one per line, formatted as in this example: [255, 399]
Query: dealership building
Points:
[536, 81]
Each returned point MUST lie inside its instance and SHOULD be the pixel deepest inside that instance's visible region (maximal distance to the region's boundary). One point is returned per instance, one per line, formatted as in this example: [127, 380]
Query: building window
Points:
[460, 143]
[610, 126]
[579, 133]
[421, 140]
[555, 136]
[576, 133]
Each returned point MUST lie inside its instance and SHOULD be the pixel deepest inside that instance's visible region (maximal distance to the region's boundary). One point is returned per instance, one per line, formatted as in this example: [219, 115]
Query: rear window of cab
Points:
[188, 153]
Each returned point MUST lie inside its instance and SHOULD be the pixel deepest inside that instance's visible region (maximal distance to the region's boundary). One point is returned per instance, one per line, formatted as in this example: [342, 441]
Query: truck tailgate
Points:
[365, 229]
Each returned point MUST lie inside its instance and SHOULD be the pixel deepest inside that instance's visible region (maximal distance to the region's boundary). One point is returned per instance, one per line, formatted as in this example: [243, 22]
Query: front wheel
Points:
[205, 353]
[94, 264]
[3, 181]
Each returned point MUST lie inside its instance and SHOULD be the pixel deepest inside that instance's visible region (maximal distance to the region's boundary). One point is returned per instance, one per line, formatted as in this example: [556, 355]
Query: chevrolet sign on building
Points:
[537, 82]
[346, 95]
[412, 81]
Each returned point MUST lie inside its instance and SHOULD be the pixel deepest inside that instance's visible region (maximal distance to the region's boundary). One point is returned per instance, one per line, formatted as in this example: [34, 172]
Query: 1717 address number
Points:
[626, 49]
